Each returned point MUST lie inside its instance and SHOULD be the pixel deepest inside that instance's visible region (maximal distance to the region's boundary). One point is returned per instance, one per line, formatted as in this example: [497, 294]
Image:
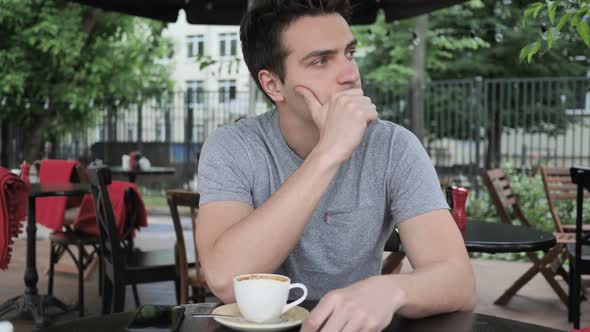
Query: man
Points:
[313, 189]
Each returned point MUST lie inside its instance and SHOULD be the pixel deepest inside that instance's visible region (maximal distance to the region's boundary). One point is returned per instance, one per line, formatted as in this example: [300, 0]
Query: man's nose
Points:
[349, 72]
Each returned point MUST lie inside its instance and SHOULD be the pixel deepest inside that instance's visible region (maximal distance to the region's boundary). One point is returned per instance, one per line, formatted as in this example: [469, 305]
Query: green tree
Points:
[60, 63]
[480, 38]
[559, 19]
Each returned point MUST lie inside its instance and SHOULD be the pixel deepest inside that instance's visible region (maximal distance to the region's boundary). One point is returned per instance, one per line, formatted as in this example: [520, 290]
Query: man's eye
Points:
[351, 53]
[319, 62]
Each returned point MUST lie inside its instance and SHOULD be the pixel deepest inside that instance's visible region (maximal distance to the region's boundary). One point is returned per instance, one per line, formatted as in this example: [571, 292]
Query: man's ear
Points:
[272, 85]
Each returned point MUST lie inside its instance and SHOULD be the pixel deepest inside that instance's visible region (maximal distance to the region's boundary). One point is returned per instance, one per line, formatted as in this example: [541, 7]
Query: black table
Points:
[31, 301]
[495, 238]
[455, 322]
[132, 174]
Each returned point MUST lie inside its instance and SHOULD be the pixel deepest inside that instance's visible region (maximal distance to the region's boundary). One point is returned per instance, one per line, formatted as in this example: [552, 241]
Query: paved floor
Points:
[535, 303]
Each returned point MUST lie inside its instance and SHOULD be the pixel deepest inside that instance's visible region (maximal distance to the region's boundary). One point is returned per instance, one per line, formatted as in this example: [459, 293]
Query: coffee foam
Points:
[263, 277]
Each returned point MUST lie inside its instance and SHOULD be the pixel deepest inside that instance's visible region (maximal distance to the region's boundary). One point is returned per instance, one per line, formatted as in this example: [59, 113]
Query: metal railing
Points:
[468, 125]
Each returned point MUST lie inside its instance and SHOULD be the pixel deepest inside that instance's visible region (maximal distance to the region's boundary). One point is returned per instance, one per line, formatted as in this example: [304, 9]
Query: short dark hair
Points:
[264, 22]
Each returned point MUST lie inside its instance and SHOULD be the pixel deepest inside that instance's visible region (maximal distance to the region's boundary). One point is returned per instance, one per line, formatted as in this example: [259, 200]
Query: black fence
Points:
[465, 125]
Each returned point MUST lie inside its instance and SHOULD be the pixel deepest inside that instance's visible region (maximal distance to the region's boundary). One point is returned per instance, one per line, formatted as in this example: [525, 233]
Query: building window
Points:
[228, 44]
[195, 46]
[227, 90]
[195, 92]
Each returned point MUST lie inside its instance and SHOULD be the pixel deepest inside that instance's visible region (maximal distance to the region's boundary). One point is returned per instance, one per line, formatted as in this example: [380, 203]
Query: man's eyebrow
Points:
[318, 53]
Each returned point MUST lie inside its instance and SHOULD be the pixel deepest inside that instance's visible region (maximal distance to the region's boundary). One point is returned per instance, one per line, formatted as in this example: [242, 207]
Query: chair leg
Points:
[177, 290]
[119, 297]
[80, 264]
[194, 294]
[100, 273]
[202, 293]
[107, 296]
[518, 284]
[570, 284]
[577, 283]
[135, 295]
[52, 256]
[550, 277]
[548, 264]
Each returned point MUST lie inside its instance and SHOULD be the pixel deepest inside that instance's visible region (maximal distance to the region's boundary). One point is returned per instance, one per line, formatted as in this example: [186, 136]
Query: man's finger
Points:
[310, 99]
[318, 317]
[351, 92]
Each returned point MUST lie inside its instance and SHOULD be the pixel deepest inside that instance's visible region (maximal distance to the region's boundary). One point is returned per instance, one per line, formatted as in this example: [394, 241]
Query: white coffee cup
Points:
[262, 297]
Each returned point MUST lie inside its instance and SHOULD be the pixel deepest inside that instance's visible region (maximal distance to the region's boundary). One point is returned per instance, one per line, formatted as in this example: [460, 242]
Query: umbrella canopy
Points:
[229, 12]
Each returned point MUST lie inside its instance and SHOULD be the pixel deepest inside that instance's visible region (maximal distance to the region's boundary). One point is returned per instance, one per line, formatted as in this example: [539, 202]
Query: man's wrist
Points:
[324, 158]
[397, 294]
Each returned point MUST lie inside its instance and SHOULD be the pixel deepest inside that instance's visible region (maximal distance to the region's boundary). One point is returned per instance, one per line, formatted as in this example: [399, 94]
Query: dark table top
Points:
[497, 237]
[58, 189]
[494, 238]
[154, 170]
[455, 322]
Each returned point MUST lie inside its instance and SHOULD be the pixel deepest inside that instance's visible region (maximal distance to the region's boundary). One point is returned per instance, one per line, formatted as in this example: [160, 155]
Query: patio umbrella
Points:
[229, 12]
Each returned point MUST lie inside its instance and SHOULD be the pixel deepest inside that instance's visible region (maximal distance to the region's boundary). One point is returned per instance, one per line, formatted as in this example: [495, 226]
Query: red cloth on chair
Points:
[14, 194]
[51, 210]
[86, 220]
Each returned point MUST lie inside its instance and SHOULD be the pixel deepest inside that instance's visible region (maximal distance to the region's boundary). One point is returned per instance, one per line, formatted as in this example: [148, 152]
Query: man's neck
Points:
[301, 135]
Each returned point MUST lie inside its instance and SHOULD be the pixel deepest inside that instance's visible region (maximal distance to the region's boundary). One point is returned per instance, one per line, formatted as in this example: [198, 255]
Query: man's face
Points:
[320, 57]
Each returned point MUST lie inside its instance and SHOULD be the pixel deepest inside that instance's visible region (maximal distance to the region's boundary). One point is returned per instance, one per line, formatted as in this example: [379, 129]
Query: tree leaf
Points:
[523, 53]
[549, 36]
[535, 47]
[563, 21]
[577, 18]
[537, 11]
[535, 6]
[584, 31]
[551, 10]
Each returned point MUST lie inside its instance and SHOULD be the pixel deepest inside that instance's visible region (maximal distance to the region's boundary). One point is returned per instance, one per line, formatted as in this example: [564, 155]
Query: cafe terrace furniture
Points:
[493, 238]
[559, 187]
[579, 252]
[62, 241]
[453, 322]
[31, 301]
[123, 265]
[132, 174]
[189, 269]
[551, 264]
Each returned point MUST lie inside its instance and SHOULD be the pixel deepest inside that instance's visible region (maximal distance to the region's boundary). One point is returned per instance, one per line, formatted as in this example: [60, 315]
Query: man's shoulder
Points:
[386, 130]
[240, 131]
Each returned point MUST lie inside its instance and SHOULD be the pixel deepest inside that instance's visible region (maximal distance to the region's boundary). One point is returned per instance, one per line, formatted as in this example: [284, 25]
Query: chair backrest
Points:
[113, 254]
[183, 198]
[558, 186]
[503, 196]
[580, 177]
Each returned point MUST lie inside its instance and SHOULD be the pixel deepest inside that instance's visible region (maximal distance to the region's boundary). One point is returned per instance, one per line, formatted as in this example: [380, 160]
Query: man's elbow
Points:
[470, 301]
[470, 293]
[221, 286]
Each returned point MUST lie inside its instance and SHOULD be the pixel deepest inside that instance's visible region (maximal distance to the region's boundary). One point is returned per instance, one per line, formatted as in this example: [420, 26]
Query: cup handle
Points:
[289, 306]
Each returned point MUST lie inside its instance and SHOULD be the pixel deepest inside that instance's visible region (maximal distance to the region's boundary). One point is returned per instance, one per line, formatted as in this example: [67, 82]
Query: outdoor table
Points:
[31, 301]
[489, 237]
[453, 322]
[133, 173]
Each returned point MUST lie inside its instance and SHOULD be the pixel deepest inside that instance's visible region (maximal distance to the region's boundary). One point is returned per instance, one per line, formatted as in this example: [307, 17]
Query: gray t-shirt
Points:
[388, 179]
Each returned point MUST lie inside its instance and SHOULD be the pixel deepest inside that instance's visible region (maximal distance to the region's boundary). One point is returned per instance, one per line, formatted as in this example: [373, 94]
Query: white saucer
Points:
[291, 318]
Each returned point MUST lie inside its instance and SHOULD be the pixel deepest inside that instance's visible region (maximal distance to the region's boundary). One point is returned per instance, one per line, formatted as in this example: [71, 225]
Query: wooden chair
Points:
[559, 187]
[63, 241]
[123, 265]
[579, 252]
[550, 264]
[189, 269]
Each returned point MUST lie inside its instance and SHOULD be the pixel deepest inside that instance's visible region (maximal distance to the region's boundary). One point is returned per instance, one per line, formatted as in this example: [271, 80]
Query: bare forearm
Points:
[261, 241]
[442, 287]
